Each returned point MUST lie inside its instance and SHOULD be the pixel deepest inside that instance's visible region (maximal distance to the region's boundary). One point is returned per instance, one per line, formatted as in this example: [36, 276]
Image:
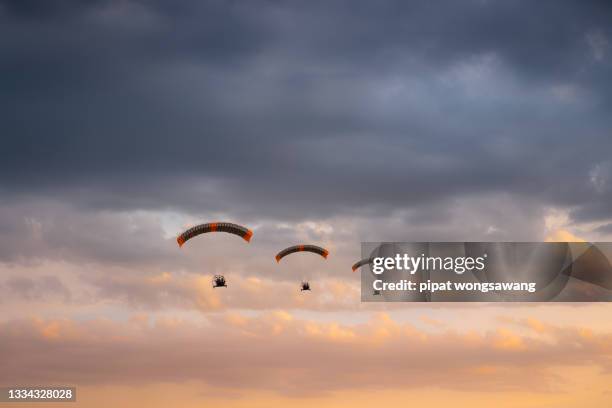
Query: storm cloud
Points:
[293, 110]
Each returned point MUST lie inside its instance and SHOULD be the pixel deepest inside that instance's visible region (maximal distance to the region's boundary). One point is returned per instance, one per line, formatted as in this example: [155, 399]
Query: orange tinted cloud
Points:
[280, 353]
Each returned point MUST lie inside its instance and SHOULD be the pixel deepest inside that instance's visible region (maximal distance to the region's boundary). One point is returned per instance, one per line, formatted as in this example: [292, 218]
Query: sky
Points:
[326, 122]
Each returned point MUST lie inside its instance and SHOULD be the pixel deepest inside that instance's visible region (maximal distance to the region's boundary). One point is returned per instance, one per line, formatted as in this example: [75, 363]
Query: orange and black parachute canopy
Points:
[228, 227]
[359, 264]
[302, 248]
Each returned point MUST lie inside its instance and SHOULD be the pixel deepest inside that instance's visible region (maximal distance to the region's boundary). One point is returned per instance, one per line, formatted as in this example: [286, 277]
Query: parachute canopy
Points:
[359, 264]
[228, 227]
[302, 248]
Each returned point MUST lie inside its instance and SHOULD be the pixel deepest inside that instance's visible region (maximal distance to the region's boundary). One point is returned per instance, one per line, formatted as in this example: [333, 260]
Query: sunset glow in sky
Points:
[125, 122]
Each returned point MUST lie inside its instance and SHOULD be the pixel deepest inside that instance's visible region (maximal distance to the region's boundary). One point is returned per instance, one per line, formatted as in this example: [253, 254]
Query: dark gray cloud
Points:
[292, 110]
[31, 233]
[605, 229]
[44, 287]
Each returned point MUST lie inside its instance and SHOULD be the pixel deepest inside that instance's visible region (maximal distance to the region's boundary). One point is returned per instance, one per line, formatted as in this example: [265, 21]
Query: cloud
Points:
[277, 352]
[605, 229]
[43, 287]
[268, 111]
[563, 236]
[126, 121]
